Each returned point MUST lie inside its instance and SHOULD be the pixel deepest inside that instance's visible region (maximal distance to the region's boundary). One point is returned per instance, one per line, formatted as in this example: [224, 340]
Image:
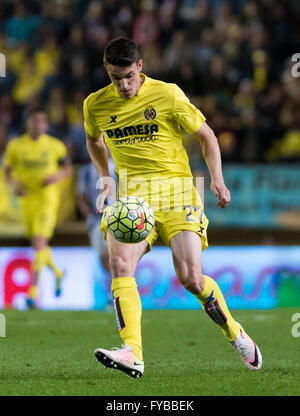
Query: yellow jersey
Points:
[31, 161]
[144, 133]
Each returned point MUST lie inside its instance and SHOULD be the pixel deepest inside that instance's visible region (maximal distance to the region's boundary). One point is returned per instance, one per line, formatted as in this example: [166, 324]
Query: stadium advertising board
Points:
[249, 277]
[261, 196]
[80, 268]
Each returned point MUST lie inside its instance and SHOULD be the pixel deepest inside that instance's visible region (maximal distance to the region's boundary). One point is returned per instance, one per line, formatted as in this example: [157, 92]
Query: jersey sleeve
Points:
[9, 155]
[185, 113]
[89, 123]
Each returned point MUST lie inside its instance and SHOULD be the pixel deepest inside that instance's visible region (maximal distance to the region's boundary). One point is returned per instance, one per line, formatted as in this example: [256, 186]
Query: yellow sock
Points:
[36, 268]
[128, 308]
[51, 264]
[214, 304]
[33, 292]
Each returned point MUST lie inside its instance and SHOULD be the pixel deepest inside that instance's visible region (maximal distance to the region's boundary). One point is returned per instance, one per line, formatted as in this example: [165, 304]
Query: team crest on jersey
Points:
[150, 113]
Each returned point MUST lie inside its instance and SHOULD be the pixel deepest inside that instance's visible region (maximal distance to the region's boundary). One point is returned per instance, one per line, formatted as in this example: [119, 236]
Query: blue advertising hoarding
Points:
[261, 196]
[249, 277]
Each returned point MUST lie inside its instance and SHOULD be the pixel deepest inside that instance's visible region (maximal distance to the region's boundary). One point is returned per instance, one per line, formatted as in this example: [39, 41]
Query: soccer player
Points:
[34, 163]
[141, 119]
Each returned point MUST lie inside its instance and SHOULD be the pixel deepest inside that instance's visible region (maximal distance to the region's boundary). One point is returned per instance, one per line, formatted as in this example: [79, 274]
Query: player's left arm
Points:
[65, 170]
[212, 155]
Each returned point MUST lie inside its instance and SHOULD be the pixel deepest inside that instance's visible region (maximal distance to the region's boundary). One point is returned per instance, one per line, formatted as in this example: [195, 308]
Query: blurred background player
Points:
[87, 195]
[34, 163]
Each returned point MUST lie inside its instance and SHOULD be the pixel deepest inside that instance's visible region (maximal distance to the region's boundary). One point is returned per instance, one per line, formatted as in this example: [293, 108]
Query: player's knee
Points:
[193, 281]
[39, 243]
[194, 286]
[120, 266]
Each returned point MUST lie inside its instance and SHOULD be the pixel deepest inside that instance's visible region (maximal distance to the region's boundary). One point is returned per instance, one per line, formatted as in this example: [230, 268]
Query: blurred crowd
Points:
[232, 58]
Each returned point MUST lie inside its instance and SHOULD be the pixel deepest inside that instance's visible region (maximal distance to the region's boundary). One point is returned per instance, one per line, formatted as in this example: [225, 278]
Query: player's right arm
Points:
[18, 187]
[9, 161]
[98, 154]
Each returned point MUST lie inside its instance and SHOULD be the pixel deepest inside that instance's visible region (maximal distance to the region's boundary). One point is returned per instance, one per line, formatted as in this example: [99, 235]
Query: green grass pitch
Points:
[51, 353]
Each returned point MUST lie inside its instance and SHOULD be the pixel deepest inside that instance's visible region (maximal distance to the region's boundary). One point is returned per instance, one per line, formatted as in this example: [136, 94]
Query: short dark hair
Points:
[30, 111]
[121, 52]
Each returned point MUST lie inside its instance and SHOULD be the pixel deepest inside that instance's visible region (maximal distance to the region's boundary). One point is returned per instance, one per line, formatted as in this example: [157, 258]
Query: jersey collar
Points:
[27, 137]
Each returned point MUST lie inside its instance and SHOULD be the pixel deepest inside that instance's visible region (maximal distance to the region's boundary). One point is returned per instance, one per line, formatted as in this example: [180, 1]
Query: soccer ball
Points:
[130, 219]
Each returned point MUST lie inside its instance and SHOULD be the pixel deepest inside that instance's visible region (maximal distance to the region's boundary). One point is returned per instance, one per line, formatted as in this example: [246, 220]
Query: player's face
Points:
[37, 124]
[127, 79]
